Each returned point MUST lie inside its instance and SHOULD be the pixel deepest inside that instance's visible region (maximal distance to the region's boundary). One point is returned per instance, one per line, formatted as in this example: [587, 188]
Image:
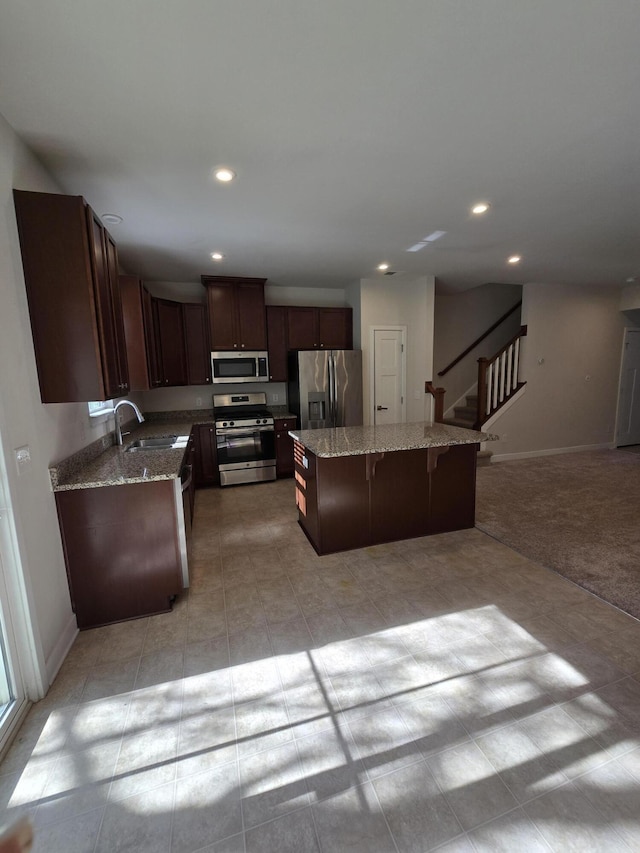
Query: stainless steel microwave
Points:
[232, 367]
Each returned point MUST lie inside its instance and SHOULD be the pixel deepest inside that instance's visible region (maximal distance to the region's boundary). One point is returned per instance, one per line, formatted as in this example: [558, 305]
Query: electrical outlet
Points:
[275, 398]
[198, 402]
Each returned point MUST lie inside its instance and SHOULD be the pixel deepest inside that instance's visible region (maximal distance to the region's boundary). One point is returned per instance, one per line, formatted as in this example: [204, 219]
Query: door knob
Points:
[382, 408]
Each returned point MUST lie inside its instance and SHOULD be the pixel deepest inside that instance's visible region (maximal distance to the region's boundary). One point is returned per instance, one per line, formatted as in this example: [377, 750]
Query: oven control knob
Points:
[232, 423]
[258, 421]
[224, 423]
[264, 420]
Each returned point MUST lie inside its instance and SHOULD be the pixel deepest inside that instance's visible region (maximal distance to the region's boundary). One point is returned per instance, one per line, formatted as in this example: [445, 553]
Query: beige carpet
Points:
[576, 513]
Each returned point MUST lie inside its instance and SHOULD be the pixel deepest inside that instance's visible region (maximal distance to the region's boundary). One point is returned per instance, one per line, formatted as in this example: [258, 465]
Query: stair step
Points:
[472, 400]
[459, 422]
[465, 413]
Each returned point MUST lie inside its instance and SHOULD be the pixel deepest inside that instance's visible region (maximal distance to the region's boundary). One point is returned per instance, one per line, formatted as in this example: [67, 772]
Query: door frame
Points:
[387, 327]
[625, 337]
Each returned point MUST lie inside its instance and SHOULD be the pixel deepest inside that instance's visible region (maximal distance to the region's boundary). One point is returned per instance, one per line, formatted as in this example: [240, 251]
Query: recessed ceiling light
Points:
[383, 266]
[224, 174]
[217, 256]
[111, 218]
[514, 259]
[631, 279]
[479, 208]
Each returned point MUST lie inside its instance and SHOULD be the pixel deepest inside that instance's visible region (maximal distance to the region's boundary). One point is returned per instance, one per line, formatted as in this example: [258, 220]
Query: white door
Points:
[629, 401]
[389, 376]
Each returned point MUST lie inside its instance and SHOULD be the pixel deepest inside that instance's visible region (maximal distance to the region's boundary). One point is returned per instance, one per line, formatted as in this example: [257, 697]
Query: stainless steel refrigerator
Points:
[325, 387]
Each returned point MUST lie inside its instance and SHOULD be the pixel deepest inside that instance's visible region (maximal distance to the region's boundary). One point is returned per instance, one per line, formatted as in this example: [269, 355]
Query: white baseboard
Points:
[61, 648]
[530, 454]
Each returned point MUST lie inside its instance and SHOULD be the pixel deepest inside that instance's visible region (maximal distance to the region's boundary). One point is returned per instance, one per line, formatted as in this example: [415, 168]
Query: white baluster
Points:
[509, 369]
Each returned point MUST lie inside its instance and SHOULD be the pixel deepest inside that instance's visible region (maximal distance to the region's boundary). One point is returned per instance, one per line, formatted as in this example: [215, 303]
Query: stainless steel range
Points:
[245, 438]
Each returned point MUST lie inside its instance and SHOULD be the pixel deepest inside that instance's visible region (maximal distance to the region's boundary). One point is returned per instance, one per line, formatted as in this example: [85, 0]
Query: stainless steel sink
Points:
[163, 443]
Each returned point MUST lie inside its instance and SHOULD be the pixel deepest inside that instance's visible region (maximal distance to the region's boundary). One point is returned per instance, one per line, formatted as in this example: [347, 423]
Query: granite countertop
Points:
[113, 466]
[281, 412]
[359, 440]
[105, 464]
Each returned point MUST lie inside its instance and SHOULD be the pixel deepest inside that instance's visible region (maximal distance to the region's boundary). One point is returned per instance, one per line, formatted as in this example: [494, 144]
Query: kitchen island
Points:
[361, 486]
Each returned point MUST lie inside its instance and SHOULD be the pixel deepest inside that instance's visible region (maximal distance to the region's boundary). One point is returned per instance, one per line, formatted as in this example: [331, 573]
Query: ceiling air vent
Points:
[390, 272]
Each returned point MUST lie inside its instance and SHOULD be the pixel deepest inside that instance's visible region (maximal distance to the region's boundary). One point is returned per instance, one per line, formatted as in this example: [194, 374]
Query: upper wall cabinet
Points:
[197, 346]
[142, 351]
[319, 328]
[71, 275]
[304, 327]
[167, 341]
[237, 314]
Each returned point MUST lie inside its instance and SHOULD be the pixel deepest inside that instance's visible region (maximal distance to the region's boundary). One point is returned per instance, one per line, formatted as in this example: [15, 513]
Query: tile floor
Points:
[440, 693]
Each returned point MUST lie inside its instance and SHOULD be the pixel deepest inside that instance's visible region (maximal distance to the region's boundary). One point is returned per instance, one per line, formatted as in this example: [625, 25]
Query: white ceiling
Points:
[356, 127]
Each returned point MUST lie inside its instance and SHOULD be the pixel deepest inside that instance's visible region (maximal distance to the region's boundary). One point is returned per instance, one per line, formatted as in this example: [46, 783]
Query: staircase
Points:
[465, 416]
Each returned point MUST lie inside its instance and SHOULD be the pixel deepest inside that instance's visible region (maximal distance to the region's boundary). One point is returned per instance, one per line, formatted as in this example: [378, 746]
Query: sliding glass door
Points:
[12, 689]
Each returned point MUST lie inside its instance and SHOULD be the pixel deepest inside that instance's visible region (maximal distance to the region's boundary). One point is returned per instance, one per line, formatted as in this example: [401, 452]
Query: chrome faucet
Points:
[139, 415]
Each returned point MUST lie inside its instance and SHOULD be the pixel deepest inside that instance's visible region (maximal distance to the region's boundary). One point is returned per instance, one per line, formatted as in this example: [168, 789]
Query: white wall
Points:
[201, 396]
[325, 297]
[190, 291]
[400, 302]
[460, 318]
[577, 331]
[51, 431]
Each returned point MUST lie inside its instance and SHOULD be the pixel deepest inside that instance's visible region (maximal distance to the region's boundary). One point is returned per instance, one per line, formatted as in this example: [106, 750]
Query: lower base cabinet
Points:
[284, 446]
[347, 502]
[121, 550]
[206, 457]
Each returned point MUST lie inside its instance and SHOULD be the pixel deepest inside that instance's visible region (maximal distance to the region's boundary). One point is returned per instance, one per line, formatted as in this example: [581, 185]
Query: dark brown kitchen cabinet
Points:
[71, 275]
[142, 355]
[207, 463]
[284, 446]
[237, 315]
[170, 330]
[197, 346]
[191, 459]
[121, 550]
[152, 343]
[277, 342]
[319, 328]
[304, 327]
[335, 328]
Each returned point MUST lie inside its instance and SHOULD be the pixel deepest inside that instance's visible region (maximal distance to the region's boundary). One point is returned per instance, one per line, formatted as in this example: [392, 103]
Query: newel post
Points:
[438, 396]
[481, 414]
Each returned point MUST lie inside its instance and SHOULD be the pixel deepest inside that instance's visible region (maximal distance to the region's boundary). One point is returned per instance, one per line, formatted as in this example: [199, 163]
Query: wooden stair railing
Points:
[438, 396]
[480, 339]
[498, 378]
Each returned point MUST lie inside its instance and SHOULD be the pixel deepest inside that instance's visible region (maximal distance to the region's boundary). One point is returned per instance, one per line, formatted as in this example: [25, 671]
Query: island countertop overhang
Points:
[388, 438]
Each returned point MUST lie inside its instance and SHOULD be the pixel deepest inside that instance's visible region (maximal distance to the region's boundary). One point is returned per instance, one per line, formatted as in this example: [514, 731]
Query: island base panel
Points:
[452, 487]
[348, 502]
[333, 502]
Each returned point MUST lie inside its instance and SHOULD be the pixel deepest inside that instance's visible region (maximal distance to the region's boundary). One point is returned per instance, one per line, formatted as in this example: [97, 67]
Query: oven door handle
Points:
[225, 433]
